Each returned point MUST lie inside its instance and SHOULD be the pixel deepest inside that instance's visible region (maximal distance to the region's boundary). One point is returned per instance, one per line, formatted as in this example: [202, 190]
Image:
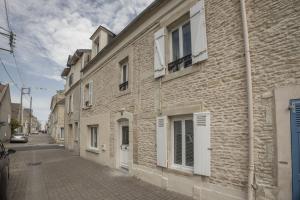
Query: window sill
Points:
[181, 170]
[87, 107]
[186, 71]
[123, 93]
[94, 151]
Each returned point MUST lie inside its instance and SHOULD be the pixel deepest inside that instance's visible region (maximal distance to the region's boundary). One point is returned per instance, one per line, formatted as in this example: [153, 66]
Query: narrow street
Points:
[56, 174]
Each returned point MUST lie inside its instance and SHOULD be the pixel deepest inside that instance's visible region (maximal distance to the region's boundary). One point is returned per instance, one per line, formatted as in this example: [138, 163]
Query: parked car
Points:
[19, 137]
[4, 170]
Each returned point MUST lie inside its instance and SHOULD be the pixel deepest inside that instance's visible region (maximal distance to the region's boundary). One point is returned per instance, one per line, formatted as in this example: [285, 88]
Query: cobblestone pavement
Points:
[58, 175]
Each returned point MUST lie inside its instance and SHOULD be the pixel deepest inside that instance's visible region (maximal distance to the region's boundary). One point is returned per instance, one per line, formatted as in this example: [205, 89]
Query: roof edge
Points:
[102, 28]
[153, 5]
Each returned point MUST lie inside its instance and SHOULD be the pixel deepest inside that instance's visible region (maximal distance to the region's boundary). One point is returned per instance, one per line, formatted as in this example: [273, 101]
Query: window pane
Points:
[187, 44]
[95, 137]
[177, 142]
[189, 143]
[175, 44]
[124, 73]
[92, 137]
[125, 135]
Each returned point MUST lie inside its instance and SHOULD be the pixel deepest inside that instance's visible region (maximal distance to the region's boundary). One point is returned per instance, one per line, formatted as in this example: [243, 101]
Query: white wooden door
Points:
[124, 145]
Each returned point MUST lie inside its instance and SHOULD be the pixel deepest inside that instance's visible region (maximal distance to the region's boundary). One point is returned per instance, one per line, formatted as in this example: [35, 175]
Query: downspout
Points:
[250, 101]
[81, 101]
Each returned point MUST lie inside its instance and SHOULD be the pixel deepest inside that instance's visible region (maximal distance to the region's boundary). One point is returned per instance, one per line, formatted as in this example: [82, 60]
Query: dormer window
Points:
[70, 80]
[96, 44]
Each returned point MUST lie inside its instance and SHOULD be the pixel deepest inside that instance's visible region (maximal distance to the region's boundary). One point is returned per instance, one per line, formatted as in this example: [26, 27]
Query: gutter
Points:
[250, 101]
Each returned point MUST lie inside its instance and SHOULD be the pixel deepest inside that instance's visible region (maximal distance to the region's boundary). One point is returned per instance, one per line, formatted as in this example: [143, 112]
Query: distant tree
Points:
[14, 124]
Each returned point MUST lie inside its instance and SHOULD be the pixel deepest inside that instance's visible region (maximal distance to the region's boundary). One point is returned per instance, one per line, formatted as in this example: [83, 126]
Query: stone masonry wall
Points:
[274, 28]
[219, 83]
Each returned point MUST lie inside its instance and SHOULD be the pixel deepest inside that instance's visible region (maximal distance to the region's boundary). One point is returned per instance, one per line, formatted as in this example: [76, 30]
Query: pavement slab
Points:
[56, 174]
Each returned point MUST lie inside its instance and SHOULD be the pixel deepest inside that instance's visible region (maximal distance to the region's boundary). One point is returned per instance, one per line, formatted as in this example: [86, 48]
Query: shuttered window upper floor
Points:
[185, 41]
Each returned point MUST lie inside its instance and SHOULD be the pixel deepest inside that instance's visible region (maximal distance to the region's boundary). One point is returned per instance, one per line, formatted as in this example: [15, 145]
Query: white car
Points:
[19, 137]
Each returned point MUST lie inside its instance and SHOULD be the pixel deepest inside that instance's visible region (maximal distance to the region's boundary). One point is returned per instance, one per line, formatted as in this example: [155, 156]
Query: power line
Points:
[18, 70]
[6, 13]
[11, 42]
[4, 29]
[36, 44]
[12, 80]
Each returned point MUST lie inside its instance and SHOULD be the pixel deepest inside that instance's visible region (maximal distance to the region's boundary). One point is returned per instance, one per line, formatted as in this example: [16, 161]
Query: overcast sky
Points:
[47, 32]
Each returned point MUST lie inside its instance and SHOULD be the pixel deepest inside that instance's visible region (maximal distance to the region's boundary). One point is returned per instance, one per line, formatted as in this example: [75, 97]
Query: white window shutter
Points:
[202, 143]
[198, 32]
[159, 53]
[161, 141]
[91, 92]
[67, 104]
[8, 118]
[72, 100]
[82, 97]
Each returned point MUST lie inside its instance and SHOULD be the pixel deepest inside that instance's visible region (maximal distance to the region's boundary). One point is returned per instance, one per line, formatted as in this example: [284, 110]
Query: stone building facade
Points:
[167, 98]
[72, 75]
[56, 125]
[5, 112]
[28, 128]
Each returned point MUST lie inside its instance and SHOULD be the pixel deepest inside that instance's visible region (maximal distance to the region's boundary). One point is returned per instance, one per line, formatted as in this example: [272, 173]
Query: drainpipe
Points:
[250, 100]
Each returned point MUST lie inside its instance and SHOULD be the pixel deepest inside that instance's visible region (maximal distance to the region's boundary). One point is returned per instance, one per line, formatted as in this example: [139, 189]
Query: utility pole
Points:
[30, 116]
[11, 37]
[23, 91]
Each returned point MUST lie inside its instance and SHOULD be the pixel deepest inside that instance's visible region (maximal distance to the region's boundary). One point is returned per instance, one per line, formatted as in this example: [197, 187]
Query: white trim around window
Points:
[182, 166]
[93, 137]
[124, 73]
[87, 95]
[187, 47]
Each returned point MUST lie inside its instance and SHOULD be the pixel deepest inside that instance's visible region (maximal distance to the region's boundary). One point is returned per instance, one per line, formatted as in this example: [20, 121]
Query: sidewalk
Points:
[58, 175]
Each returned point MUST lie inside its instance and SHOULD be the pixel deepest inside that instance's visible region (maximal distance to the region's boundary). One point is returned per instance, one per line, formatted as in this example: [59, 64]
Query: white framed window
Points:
[70, 104]
[62, 133]
[180, 47]
[96, 45]
[76, 131]
[182, 134]
[187, 42]
[71, 79]
[124, 77]
[88, 95]
[94, 137]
